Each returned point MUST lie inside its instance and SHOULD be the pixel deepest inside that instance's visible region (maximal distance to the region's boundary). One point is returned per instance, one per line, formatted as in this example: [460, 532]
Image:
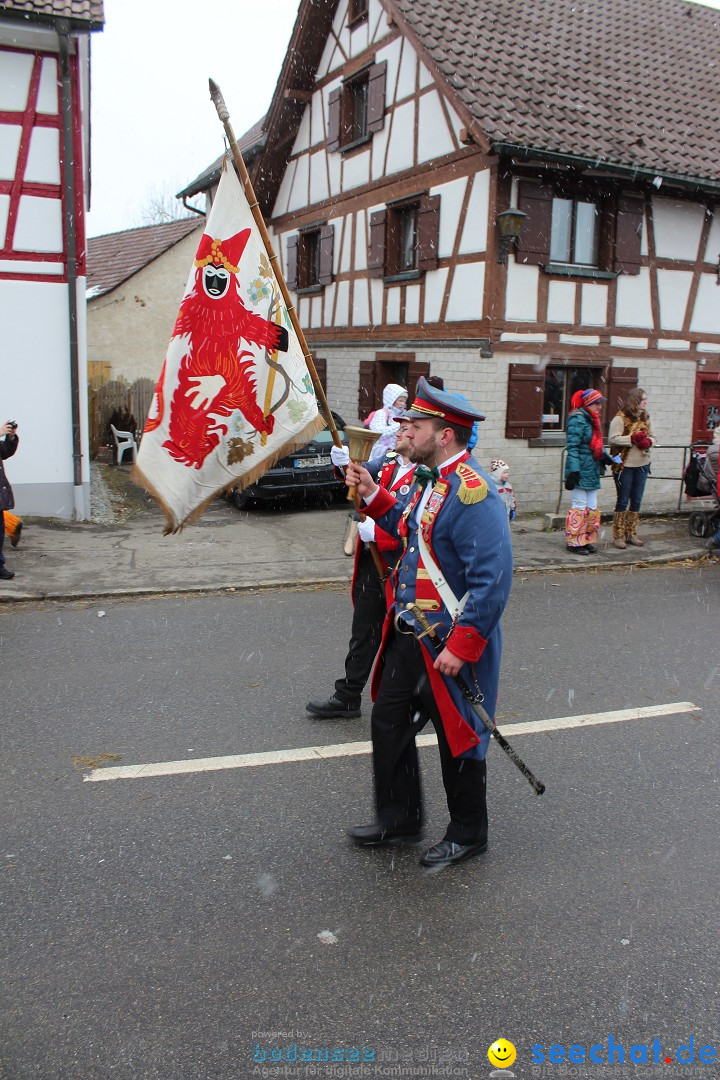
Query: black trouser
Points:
[404, 705]
[368, 618]
[2, 538]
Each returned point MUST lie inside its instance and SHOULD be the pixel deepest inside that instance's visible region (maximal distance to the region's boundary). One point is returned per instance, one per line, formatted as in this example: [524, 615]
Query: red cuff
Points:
[466, 643]
[380, 505]
[384, 540]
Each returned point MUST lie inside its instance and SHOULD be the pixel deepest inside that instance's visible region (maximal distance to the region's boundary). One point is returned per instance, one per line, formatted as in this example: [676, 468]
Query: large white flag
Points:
[234, 393]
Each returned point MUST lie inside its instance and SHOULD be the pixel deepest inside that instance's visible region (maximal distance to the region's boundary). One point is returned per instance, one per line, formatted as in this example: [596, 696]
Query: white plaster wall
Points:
[434, 291]
[400, 148]
[299, 191]
[451, 199]
[377, 21]
[302, 139]
[10, 135]
[377, 295]
[706, 316]
[361, 241]
[393, 306]
[412, 304]
[673, 292]
[39, 225]
[474, 237]
[434, 137]
[561, 302]
[407, 74]
[712, 251]
[361, 304]
[355, 170]
[359, 38]
[43, 163]
[318, 177]
[15, 71]
[378, 148]
[593, 305]
[521, 296]
[283, 196]
[677, 228]
[317, 119]
[466, 293]
[346, 245]
[342, 308]
[632, 306]
[391, 54]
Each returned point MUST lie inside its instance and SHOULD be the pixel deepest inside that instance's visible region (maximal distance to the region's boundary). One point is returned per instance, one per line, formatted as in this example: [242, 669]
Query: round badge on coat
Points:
[403, 489]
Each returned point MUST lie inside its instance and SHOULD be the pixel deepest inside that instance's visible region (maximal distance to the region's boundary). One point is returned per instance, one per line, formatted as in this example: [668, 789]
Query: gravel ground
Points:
[102, 511]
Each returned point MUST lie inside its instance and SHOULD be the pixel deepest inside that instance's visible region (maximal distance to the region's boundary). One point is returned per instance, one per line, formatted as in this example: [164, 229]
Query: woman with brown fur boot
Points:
[631, 435]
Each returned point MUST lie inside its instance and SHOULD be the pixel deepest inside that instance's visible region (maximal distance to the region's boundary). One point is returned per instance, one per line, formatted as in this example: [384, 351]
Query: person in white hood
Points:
[384, 420]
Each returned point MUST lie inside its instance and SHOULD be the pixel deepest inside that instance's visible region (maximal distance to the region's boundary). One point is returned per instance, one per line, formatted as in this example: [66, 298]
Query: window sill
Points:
[311, 290]
[575, 271]
[353, 24]
[356, 144]
[549, 438]
[398, 279]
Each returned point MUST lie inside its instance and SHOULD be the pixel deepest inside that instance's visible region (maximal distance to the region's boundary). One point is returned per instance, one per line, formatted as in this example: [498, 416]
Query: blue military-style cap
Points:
[430, 402]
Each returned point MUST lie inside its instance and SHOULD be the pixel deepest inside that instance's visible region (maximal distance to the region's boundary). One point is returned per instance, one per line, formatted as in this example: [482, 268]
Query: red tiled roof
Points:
[628, 82]
[87, 12]
[113, 258]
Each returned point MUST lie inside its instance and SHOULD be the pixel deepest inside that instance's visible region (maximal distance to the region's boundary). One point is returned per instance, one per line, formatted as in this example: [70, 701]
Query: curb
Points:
[149, 592]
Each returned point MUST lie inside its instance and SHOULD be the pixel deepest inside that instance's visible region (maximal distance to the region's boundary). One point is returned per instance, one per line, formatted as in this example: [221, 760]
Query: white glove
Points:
[366, 530]
[340, 456]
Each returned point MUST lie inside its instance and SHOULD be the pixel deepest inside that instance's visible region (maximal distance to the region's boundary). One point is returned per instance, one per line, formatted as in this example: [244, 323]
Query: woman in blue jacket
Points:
[585, 453]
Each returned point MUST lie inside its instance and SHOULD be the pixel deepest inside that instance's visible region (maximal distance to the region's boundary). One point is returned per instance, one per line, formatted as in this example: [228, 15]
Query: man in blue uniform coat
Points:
[456, 567]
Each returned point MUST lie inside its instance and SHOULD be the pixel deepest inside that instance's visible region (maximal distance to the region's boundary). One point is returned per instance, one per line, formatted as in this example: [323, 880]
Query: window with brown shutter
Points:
[376, 97]
[524, 402]
[376, 253]
[535, 199]
[404, 238]
[312, 258]
[356, 110]
[428, 223]
[616, 385]
[628, 234]
[327, 243]
[291, 272]
[366, 389]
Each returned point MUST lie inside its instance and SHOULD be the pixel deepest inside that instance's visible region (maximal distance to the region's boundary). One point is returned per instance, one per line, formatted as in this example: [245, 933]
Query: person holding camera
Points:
[8, 446]
[585, 457]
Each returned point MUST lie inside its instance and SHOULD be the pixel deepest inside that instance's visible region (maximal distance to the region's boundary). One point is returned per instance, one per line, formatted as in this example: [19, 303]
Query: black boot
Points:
[327, 710]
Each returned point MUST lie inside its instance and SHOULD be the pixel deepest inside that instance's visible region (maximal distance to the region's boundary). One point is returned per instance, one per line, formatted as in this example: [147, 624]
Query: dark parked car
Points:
[307, 471]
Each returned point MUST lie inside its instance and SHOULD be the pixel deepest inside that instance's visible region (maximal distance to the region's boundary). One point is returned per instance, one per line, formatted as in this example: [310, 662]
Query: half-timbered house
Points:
[402, 130]
[44, 167]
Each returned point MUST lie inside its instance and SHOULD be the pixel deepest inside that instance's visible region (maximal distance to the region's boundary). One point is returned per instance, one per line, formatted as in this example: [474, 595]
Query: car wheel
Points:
[241, 499]
[699, 524]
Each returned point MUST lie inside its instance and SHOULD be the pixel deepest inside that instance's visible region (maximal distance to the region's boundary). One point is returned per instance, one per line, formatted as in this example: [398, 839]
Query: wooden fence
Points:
[129, 402]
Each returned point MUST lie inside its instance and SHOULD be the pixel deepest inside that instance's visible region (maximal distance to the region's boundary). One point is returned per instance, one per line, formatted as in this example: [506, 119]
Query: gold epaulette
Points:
[473, 488]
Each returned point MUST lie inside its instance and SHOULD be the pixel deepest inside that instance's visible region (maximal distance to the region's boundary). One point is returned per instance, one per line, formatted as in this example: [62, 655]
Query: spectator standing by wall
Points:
[8, 446]
[631, 435]
[585, 453]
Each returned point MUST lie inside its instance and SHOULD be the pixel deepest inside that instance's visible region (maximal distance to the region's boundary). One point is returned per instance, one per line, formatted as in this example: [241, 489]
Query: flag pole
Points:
[222, 110]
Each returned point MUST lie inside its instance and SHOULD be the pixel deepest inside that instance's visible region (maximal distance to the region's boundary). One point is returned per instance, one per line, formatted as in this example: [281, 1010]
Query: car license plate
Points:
[312, 462]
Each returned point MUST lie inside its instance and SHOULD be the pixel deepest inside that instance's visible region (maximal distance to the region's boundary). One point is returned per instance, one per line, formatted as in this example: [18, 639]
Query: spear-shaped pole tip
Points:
[218, 101]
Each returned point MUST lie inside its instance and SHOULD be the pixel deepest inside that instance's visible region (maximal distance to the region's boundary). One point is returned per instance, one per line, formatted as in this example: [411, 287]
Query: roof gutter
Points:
[630, 172]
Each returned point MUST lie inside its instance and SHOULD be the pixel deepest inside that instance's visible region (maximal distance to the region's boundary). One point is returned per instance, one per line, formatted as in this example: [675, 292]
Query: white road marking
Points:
[354, 749]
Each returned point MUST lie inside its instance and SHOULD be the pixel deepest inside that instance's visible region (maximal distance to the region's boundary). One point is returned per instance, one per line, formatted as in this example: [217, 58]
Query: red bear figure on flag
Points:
[214, 378]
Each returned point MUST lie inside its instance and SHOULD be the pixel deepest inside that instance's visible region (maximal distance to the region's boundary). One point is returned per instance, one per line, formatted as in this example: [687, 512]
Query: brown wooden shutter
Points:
[416, 369]
[321, 367]
[376, 97]
[428, 227]
[535, 199]
[327, 239]
[628, 236]
[292, 262]
[524, 402]
[333, 135]
[366, 389]
[618, 382]
[376, 254]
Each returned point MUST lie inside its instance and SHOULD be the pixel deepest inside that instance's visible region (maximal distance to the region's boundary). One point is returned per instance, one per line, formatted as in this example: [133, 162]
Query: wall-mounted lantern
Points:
[510, 224]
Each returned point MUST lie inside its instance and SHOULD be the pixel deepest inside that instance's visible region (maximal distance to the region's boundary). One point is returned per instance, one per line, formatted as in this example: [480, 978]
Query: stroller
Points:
[701, 484]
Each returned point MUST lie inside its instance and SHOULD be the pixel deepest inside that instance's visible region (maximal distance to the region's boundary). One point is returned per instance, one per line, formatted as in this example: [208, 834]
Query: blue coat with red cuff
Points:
[469, 539]
[383, 473]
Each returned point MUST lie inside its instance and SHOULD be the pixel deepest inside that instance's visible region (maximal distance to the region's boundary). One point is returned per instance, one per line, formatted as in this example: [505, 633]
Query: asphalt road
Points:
[179, 926]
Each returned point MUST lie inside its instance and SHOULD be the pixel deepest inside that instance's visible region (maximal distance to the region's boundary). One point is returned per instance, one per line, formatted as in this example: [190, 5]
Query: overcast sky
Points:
[154, 127]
